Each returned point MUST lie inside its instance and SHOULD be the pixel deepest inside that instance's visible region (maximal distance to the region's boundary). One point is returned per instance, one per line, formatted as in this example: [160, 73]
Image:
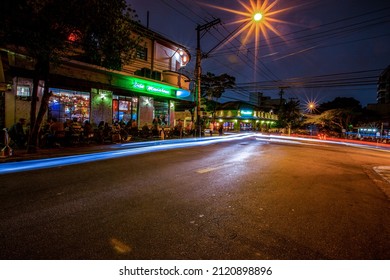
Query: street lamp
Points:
[258, 16]
[198, 71]
[311, 106]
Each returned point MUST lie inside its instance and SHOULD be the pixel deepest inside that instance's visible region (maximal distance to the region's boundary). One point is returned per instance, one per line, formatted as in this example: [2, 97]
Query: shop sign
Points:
[149, 87]
[182, 93]
[246, 112]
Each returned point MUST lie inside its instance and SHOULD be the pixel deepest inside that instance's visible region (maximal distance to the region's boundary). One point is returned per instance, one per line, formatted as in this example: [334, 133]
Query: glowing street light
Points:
[258, 16]
[311, 106]
[257, 19]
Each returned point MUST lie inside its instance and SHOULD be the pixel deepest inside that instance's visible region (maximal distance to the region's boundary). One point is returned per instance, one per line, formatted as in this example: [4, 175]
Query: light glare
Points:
[258, 17]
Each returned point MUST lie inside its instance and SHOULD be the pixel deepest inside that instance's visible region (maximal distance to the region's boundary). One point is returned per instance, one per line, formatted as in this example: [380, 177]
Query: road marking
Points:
[205, 170]
[383, 171]
[213, 168]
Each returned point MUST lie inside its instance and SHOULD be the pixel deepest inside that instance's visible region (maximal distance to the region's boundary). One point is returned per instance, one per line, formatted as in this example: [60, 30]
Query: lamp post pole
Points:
[198, 69]
[198, 75]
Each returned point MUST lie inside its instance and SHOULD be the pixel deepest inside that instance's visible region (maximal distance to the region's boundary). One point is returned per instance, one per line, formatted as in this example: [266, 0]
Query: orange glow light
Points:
[256, 19]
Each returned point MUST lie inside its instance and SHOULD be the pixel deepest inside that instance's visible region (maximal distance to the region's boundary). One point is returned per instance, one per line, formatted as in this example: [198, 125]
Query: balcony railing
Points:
[176, 79]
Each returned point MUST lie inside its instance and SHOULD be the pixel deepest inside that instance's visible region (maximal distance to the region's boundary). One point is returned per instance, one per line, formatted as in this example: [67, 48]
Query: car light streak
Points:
[129, 149]
[296, 140]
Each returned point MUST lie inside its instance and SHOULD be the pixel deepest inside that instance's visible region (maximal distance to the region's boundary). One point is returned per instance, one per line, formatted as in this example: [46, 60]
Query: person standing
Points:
[18, 134]
[211, 129]
[56, 133]
[180, 128]
[220, 129]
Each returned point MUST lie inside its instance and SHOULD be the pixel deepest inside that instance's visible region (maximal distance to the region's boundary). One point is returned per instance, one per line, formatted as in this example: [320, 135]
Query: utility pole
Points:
[198, 69]
[281, 93]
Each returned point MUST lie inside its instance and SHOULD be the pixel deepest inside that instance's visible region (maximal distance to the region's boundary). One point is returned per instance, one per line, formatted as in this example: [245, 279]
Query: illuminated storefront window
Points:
[67, 105]
[124, 108]
[23, 91]
[161, 111]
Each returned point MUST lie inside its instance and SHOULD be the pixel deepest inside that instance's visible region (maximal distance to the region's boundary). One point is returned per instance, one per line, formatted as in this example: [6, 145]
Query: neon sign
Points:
[149, 87]
[246, 112]
[182, 93]
[156, 89]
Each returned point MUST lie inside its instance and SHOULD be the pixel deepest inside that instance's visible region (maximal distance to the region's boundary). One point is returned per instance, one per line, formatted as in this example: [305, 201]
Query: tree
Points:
[289, 115]
[212, 88]
[337, 115]
[341, 103]
[107, 33]
[46, 31]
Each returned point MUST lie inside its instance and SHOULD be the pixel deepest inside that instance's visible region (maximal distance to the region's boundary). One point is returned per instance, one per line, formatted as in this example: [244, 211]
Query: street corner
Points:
[384, 172]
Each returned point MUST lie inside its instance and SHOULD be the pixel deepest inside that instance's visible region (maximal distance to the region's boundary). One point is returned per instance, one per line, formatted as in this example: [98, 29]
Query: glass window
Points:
[66, 104]
[125, 108]
[142, 53]
[23, 91]
[161, 111]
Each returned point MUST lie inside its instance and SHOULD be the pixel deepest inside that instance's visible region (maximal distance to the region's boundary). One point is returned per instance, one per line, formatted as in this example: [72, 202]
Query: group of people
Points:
[70, 132]
[52, 133]
[118, 132]
[220, 129]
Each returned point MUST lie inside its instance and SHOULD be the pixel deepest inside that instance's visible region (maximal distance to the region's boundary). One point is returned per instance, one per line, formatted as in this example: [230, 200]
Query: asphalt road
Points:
[244, 199]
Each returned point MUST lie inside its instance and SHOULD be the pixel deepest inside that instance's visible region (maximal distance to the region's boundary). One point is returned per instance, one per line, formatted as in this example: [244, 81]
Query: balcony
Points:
[176, 79]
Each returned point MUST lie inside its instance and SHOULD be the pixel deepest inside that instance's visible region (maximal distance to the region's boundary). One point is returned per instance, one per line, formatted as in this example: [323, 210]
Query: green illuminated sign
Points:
[150, 87]
[246, 112]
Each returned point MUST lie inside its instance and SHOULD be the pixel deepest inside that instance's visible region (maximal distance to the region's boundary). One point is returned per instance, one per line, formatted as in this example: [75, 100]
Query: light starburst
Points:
[311, 106]
[255, 20]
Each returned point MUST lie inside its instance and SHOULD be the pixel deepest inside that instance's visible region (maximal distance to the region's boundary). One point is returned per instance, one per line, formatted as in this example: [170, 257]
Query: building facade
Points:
[383, 92]
[148, 87]
[381, 109]
[241, 116]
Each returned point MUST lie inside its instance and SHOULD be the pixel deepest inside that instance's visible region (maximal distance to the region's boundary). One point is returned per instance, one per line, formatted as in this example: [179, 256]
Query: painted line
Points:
[383, 171]
[206, 170]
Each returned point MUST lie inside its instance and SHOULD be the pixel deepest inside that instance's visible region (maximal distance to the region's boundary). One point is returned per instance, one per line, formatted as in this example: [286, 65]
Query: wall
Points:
[146, 109]
[101, 106]
[17, 108]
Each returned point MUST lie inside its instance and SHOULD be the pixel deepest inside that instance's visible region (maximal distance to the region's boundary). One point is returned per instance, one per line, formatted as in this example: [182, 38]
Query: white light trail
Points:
[123, 150]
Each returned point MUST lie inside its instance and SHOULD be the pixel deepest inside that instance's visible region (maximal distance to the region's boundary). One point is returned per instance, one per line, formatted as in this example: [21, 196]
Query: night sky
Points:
[319, 49]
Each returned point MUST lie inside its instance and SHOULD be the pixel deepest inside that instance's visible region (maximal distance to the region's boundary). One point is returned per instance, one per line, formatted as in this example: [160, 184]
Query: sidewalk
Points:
[82, 148]
[21, 154]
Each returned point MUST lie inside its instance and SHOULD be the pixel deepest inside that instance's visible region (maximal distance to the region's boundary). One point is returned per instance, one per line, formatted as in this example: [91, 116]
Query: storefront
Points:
[68, 105]
[239, 116]
[124, 109]
[136, 99]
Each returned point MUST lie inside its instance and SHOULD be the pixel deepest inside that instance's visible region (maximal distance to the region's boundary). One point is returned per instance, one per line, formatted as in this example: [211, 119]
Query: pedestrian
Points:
[56, 133]
[220, 129]
[180, 128]
[17, 133]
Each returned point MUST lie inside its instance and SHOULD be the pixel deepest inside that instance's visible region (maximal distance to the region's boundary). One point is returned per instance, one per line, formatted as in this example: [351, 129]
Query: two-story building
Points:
[148, 87]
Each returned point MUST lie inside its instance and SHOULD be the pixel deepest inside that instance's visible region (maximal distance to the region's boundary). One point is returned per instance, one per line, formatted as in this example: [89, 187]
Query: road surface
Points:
[245, 199]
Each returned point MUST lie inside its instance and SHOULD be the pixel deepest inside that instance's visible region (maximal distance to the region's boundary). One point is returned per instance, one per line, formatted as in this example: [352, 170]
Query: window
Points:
[142, 53]
[125, 108]
[23, 93]
[66, 104]
[161, 111]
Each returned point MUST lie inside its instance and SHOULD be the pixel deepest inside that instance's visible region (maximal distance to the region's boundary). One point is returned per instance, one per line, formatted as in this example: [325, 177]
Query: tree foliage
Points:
[336, 115]
[107, 33]
[348, 103]
[289, 115]
[212, 86]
